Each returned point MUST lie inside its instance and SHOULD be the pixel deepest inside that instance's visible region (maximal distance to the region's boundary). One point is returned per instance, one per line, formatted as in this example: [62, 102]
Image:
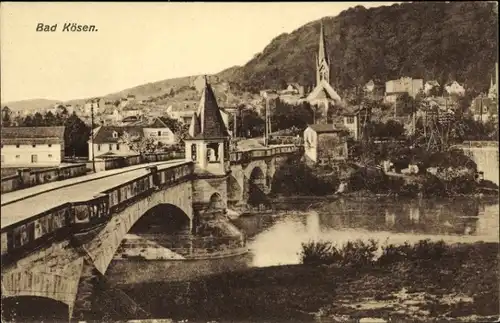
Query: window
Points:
[34, 145]
[350, 120]
[18, 156]
[50, 145]
[34, 159]
[193, 152]
[98, 147]
[50, 155]
[159, 133]
[213, 152]
[17, 146]
[117, 146]
[110, 147]
[115, 134]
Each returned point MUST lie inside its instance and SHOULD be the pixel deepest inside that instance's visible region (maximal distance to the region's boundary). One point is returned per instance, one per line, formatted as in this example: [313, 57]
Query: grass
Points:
[422, 282]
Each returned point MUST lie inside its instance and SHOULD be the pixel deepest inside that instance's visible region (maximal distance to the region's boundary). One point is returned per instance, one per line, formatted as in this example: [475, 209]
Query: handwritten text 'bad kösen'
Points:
[67, 27]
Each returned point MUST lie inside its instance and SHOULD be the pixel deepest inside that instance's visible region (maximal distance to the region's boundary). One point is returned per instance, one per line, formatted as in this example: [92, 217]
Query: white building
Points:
[454, 88]
[395, 88]
[32, 146]
[107, 139]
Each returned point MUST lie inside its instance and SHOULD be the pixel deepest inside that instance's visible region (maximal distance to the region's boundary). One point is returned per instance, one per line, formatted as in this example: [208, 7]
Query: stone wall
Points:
[205, 188]
[31, 177]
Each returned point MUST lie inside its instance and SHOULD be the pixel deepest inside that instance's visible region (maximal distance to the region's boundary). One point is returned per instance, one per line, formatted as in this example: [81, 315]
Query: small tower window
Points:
[213, 152]
[193, 152]
[115, 134]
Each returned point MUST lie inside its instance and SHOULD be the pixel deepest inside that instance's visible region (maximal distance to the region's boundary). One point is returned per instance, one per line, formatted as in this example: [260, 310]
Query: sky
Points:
[136, 43]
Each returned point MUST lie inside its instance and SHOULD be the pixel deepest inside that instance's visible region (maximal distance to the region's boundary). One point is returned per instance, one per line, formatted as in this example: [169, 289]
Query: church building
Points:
[323, 96]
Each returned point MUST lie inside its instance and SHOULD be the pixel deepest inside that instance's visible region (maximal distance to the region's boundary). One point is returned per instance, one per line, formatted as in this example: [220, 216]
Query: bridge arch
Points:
[176, 199]
[256, 187]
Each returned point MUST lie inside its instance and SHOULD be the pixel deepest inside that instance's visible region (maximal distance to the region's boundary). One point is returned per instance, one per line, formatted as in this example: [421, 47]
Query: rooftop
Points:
[207, 122]
[32, 135]
[327, 128]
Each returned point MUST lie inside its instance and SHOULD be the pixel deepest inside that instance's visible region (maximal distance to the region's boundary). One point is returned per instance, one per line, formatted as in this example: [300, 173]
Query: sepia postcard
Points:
[249, 162]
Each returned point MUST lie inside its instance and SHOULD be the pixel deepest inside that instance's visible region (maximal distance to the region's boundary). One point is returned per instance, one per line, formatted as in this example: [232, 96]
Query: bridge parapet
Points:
[244, 156]
[21, 238]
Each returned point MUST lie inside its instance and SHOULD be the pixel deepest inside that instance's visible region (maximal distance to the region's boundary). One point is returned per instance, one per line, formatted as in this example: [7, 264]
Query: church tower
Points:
[207, 144]
[322, 61]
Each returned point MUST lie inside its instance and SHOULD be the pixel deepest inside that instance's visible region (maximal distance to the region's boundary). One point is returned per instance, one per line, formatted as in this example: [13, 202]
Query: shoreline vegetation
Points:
[454, 175]
[423, 282]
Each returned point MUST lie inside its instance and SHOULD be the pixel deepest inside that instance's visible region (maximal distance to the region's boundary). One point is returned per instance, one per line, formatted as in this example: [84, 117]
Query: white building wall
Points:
[117, 148]
[311, 144]
[166, 136]
[22, 156]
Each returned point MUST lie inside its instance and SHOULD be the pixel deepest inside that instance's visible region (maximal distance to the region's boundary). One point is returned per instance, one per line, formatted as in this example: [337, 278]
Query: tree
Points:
[76, 136]
[405, 104]
[38, 120]
[285, 115]
[50, 120]
[27, 122]
[178, 128]
[251, 124]
[6, 119]
[139, 144]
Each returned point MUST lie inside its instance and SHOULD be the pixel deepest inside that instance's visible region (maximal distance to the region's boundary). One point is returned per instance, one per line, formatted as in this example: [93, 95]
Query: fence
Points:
[247, 156]
[26, 177]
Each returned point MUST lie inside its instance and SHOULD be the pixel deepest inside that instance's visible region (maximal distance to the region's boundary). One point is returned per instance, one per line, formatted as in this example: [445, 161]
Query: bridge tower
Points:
[207, 145]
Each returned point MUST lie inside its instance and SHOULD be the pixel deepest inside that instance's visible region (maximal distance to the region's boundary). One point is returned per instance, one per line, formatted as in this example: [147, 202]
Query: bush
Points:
[425, 251]
[319, 253]
[360, 254]
[352, 254]
[297, 178]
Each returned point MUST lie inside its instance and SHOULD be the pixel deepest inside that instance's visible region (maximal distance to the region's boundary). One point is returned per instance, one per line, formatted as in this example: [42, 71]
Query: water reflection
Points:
[276, 239]
[453, 221]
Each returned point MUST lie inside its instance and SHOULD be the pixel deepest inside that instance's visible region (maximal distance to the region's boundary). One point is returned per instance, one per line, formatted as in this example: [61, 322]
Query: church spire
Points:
[322, 61]
[322, 55]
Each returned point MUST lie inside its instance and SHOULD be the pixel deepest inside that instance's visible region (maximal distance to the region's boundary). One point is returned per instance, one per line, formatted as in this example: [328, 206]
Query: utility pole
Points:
[266, 130]
[92, 134]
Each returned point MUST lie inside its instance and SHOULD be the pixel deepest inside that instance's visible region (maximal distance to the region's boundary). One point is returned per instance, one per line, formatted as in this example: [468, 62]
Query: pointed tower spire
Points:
[207, 122]
[322, 55]
[322, 61]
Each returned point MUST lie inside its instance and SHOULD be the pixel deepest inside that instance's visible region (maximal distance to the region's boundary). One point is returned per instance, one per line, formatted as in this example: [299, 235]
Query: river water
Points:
[275, 239]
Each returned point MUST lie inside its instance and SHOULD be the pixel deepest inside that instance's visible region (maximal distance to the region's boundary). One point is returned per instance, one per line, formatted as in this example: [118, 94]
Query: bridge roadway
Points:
[23, 204]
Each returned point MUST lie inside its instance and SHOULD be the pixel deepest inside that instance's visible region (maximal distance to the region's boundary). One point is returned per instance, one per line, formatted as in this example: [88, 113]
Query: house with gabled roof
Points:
[107, 139]
[32, 146]
[325, 143]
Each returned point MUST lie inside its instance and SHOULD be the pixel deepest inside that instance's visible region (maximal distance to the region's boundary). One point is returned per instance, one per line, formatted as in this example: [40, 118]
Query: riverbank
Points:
[462, 284]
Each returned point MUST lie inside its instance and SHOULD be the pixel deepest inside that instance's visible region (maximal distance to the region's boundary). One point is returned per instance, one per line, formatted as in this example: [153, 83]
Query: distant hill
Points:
[430, 40]
[30, 105]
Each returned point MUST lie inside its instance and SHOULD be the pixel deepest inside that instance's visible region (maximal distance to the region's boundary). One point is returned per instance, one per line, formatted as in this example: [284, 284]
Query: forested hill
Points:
[429, 40]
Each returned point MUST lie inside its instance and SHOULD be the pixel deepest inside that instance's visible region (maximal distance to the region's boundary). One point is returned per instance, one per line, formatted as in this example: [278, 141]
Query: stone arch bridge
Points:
[53, 244]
